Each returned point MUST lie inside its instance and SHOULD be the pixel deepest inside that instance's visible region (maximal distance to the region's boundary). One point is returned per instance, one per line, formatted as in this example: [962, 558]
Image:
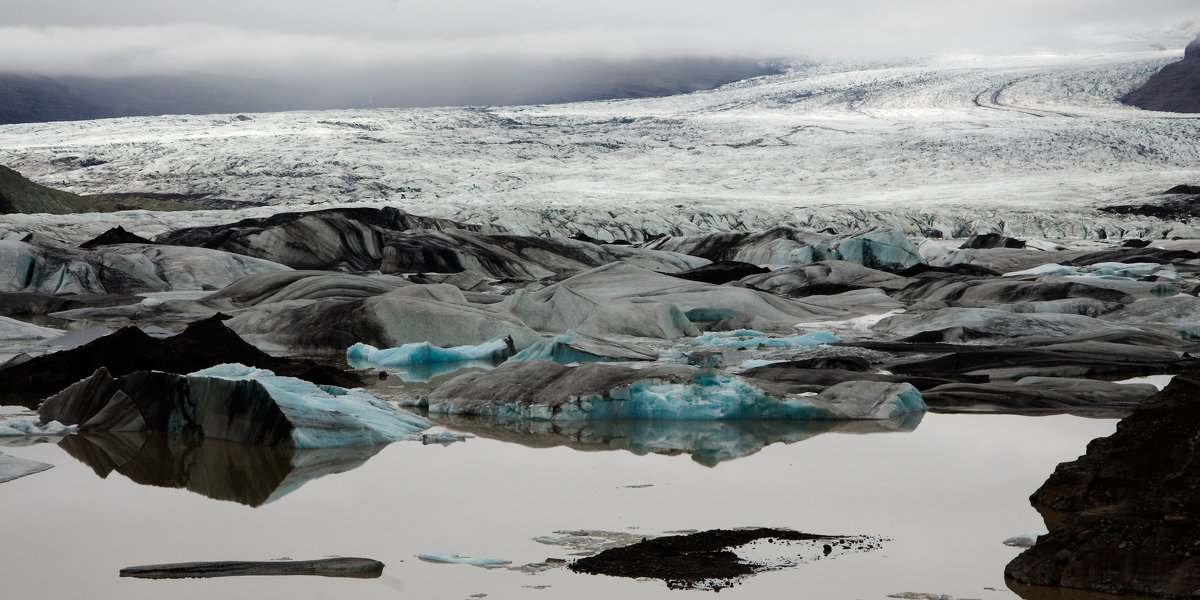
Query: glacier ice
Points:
[748, 338]
[362, 356]
[14, 330]
[231, 402]
[321, 416]
[12, 467]
[1105, 269]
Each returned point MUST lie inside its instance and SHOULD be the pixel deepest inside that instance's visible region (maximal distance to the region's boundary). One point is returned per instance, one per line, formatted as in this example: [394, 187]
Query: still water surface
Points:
[946, 493]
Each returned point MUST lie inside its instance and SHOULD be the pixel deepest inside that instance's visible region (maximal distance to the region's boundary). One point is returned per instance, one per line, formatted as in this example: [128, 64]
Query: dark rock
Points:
[1136, 255]
[1135, 243]
[203, 344]
[1184, 188]
[364, 568]
[703, 560]
[722, 272]
[983, 241]
[1120, 517]
[1175, 88]
[116, 235]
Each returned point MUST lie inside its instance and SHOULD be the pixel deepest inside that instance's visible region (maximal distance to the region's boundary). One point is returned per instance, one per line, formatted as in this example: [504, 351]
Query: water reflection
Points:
[1037, 592]
[708, 442]
[243, 473]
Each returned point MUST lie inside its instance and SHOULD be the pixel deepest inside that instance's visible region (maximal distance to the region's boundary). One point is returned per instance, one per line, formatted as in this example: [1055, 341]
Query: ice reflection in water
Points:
[708, 442]
[243, 473]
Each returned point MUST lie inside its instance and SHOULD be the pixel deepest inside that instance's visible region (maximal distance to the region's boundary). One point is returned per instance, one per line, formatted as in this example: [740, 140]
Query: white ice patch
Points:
[32, 426]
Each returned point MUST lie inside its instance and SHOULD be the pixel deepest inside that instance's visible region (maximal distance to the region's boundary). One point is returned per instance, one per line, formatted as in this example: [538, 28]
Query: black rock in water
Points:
[705, 560]
[1123, 518]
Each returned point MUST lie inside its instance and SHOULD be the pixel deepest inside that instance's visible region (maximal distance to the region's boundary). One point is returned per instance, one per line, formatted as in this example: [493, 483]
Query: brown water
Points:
[946, 494]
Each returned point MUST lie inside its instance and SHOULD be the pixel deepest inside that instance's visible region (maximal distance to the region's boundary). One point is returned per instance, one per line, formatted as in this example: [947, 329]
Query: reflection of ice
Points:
[243, 473]
[423, 372]
[708, 442]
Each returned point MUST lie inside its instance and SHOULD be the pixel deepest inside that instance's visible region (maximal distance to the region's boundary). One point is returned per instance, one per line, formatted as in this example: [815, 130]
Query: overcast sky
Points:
[240, 37]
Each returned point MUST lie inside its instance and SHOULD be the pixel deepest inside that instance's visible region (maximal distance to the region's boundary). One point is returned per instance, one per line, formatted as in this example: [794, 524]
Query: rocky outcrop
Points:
[1175, 88]
[1122, 519]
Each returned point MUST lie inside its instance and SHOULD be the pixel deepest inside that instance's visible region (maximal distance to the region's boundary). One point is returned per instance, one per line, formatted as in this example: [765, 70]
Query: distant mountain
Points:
[25, 98]
[1176, 88]
[20, 195]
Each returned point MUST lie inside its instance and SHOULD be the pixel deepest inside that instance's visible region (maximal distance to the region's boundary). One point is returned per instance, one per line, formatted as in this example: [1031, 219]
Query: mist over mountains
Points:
[26, 98]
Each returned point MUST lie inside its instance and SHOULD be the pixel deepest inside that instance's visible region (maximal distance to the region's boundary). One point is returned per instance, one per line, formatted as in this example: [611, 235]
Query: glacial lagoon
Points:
[944, 493]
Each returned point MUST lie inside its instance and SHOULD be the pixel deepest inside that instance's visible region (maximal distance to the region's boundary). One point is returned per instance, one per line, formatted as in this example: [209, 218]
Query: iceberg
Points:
[543, 390]
[749, 338]
[12, 467]
[32, 426]
[361, 356]
[231, 402]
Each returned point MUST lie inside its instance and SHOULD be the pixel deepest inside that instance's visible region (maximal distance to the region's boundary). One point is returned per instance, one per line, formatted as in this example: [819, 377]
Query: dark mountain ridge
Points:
[1176, 88]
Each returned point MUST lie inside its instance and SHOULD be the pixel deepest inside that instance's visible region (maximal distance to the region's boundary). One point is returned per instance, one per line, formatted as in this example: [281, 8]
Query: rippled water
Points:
[946, 493]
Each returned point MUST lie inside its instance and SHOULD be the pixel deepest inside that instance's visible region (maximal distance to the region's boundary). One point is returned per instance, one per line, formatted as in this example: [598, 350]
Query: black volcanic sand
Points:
[203, 344]
[703, 560]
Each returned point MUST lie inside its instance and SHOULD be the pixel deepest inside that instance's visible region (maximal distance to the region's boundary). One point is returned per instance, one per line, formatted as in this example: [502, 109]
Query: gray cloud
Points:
[140, 37]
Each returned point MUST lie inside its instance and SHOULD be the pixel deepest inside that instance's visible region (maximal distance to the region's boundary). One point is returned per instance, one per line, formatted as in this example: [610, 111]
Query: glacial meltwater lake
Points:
[945, 495]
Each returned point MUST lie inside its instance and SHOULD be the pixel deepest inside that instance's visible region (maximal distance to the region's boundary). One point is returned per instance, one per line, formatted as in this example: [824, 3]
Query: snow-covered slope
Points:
[1027, 145]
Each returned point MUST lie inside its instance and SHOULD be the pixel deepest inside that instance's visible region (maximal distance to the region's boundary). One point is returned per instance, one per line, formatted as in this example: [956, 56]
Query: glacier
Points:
[748, 338]
[946, 146]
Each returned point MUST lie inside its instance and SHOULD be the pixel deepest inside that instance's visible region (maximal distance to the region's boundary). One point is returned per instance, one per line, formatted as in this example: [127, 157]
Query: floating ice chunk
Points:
[1021, 541]
[12, 329]
[444, 438]
[362, 355]
[487, 563]
[573, 347]
[12, 467]
[320, 416]
[32, 426]
[751, 338]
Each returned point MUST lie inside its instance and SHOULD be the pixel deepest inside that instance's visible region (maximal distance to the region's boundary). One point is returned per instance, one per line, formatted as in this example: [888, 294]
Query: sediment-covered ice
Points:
[574, 347]
[547, 390]
[757, 339]
[231, 402]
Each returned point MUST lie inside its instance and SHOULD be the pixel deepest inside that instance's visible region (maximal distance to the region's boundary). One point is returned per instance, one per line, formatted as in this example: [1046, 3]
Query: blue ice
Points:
[325, 416]
[362, 355]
